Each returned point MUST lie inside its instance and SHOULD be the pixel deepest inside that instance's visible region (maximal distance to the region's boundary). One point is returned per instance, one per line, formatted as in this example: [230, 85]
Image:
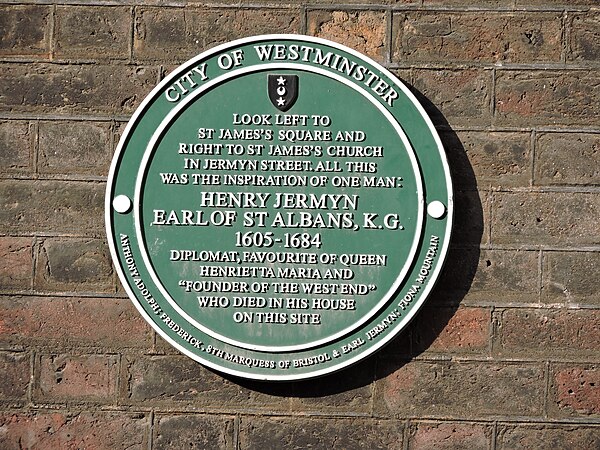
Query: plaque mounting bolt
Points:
[436, 209]
[121, 204]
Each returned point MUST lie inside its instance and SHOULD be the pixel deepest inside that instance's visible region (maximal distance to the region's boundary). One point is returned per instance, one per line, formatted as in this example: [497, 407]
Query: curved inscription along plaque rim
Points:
[214, 73]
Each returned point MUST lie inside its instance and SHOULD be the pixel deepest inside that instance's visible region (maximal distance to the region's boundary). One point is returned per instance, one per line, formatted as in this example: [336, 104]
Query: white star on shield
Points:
[281, 81]
[280, 101]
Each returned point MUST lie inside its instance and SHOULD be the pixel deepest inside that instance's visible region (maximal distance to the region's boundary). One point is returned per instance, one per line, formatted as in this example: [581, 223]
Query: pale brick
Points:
[567, 159]
[461, 389]
[363, 31]
[75, 265]
[546, 218]
[89, 32]
[15, 147]
[74, 148]
[178, 34]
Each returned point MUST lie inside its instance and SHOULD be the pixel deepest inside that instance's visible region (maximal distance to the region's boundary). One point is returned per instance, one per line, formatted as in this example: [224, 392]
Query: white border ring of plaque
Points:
[355, 249]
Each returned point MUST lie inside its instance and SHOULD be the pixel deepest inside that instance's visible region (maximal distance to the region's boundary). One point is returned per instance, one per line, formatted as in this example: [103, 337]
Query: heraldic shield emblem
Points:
[283, 91]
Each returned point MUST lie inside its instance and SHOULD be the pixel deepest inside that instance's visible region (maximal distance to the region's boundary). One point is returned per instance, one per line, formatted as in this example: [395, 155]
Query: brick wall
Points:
[504, 356]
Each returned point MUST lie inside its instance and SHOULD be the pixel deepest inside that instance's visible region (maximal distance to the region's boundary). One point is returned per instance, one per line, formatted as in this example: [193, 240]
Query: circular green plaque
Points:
[279, 207]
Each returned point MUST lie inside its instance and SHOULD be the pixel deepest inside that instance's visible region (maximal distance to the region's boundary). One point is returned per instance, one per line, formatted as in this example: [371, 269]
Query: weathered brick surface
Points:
[547, 332]
[478, 36]
[16, 373]
[575, 391]
[541, 437]
[503, 356]
[77, 378]
[567, 159]
[74, 148]
[29, 206]
[67, 321]
[73, 430]
[351, 394]
[92, 32]
[16, 261]
[455, 96]
[57, 88]
[172, 380]
[193, 431]
[507, 275]
[463, 3]
[491, 158]
[449, 436]
[74, 265]
[462, 390]
[546, 218]
[319, 433]
[176, 34]
[571, 277]
[16, 139]
[363, 31]
[547, 97]
[583, 43]
[25, 30]
[450, 330]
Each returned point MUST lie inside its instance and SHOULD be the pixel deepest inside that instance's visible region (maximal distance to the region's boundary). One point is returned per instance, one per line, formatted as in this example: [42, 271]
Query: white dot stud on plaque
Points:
[121, 204]
[436, 209]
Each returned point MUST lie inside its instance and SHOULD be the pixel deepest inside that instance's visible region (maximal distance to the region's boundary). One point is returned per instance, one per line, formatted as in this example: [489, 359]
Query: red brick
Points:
[74, 148]
[74, 265]
[30, 206]
[450, 330]
[549, 332]
[286, 433]
[584, 37]
[449, 436]
[567, 159]
[478, 36]
[15, 147]
[461, 389]
[16, 263]
[546, 218]
[92, 32]
[77, 378]
[571, 277]
[25, 30]
[177, 34]
[193, 431]
[16, 374]
[575, 391]
[568, 97]
[65, 321]
[74, 88]
[84, 430]
[545, 436]
[364, 31]
[459, 97]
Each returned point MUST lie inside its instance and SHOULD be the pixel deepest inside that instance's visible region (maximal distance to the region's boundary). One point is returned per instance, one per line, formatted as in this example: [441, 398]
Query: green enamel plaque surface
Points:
[279, 207]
